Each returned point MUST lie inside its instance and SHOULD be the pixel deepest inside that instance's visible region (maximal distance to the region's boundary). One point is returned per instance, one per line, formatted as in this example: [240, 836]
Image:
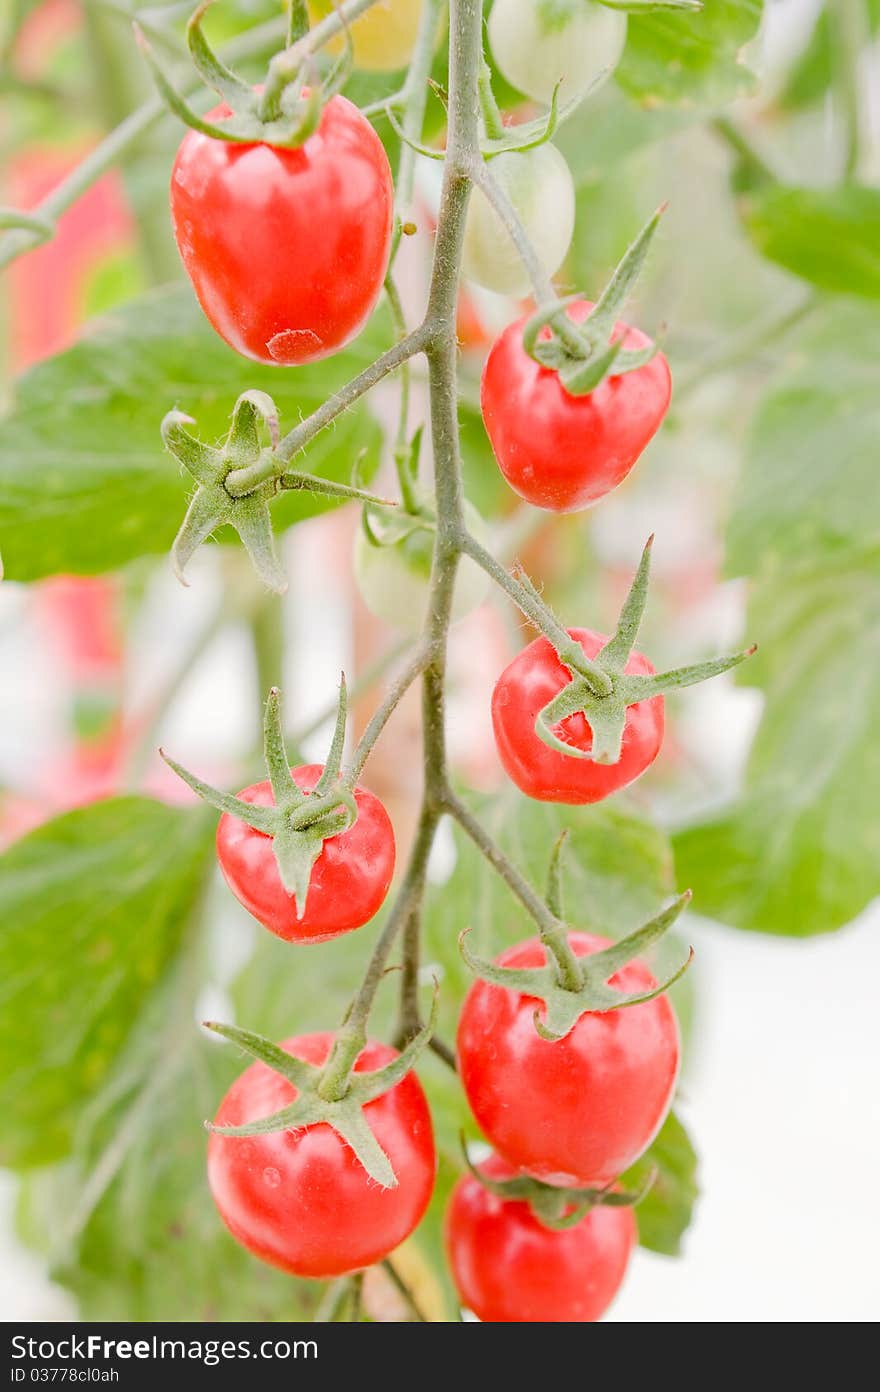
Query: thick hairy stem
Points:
[465, 57]
[352, 1036]
[542, 285]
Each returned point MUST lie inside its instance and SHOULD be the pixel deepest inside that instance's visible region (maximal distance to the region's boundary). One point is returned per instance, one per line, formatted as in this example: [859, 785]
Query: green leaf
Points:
[94, 907]
[85, 484]
[829, 237]
[811, 458]
[665, 1212]
[799, 853]
[681, 59]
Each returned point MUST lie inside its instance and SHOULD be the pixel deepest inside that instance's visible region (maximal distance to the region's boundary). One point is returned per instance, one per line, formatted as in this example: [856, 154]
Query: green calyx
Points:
[564, 1004]
[571, 986]
[236, 482]
[585, 354]
[557, 1208]
[339, 1105]
[299, 823]
[601, 689]
[284, 113]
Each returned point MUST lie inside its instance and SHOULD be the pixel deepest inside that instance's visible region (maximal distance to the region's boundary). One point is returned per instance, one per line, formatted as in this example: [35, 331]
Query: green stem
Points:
[404, 1289]
[401, 440]
[569, 651]
[489, 106]
[734, 136]
[410, 1016]
[383, 713]
[414, 101]
[267, 635]
[542, 284]
[299, 437]
[553, 933]
[334, 1302]
[352, 1035]
[297, 21]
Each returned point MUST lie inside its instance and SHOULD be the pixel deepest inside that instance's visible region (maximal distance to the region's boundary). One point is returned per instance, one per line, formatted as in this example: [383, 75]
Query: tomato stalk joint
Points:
[236, 482]
[585, 354]
[284, 111]
[299, 823]
[566, 999]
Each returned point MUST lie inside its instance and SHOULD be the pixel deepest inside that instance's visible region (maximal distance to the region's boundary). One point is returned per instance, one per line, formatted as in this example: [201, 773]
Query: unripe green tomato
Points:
[394, 580]
[540, 187]
[537, 42]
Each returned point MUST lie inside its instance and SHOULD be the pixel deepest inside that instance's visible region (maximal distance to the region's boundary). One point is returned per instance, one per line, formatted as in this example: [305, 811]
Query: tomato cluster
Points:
[287, 247]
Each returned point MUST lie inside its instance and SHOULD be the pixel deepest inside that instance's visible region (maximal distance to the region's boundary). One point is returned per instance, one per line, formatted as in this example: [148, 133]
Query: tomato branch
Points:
[395, 357]
[544, 289]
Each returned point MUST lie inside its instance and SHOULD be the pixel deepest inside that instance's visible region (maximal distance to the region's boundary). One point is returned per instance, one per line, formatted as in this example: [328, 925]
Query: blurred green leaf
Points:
[85, 485]
[829, 237]
[683, 59]
[666, 1210]
[94, 907]
[811, 74]
[799, 853]
[148, 1244]
[811, 461]
[608, 129]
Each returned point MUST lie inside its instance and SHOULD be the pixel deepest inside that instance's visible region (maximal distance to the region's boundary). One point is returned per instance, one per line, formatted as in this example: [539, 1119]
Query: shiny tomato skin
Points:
[564, 452]
[579, 1110]
[301, 1200]
[349, 879]
[286, 248]
[510, 1269]
[526, 686]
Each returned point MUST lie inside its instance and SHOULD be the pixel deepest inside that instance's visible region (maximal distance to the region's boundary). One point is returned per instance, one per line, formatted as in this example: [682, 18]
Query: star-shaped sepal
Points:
[557, 1208]
[565, 1004]
[236, 482]
[299, 823]
[313, 1105]
[584, 354]
[284, 110]
[601, 689]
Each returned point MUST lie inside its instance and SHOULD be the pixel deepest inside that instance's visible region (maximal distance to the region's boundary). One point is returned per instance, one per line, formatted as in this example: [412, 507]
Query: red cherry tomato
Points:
[522, 691]
[286, 248]
[301, 1199]
[580, 1110]
[510, 1269]
[349, 879]
[564, 452]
